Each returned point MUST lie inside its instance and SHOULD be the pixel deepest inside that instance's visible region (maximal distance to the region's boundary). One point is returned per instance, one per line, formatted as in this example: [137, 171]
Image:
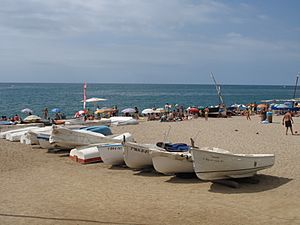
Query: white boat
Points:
[123, 120]
[43, 139]
[86, 154]
[137, 156]
[171, 163]
[3, 134]
[30, 137]
[16, 136]
[112, 154]
[62, 137]
[103, 121]
[216, 163]
[109, 153]
[18, 126]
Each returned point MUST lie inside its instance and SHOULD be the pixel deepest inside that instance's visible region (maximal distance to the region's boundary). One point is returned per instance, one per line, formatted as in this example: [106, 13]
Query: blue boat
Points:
[105, 130]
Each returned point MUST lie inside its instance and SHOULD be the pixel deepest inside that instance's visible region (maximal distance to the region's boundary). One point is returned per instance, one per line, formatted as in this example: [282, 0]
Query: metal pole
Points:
[218, 89]
[296, 85]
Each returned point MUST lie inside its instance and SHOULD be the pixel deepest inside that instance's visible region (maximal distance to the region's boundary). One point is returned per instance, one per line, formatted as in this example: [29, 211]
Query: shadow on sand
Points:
[264, 183]
[119, 167]
[185, 178]
[60, 152]
[148, 172]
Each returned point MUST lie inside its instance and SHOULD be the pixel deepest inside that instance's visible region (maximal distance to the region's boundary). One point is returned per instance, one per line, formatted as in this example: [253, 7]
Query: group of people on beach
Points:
[58, 115]
[16, 118]
[168, 114]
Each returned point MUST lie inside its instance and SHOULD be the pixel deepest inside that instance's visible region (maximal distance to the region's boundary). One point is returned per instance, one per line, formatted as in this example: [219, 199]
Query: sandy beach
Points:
[38, 187]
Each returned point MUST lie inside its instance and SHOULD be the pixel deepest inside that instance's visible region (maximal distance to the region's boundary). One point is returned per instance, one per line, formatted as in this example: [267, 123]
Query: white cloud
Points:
[105, 15]
[109, 35]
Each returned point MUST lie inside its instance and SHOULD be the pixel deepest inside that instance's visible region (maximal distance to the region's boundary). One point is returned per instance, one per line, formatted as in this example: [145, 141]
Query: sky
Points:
[150, 41]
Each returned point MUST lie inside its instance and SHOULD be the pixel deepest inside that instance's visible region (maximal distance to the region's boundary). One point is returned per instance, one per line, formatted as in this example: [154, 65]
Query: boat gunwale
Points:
[228, 153]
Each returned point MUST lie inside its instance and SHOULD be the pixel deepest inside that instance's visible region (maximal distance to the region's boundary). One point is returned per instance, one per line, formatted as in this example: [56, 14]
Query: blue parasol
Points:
[55, 110]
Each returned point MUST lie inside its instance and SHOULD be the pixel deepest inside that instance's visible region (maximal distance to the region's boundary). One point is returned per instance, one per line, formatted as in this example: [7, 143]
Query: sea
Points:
[68, 97]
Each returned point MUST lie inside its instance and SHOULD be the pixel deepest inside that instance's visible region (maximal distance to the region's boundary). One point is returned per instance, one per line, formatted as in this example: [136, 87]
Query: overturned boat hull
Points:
[17, 130]
[30, 137]
[44, 141]
[86, 154]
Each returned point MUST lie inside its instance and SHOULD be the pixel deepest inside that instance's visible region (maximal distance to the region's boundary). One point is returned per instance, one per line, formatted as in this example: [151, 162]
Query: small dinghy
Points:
[137, 156]
[172, 159]
[16, 136]
[6, 123]
[109, 153]
[112, 154]
[30, 137]
[18, 129]
[65, 138]
[105, 130]
[216, 163]
[86, 154]
[123, 120]
[43, 139]
[103, 121]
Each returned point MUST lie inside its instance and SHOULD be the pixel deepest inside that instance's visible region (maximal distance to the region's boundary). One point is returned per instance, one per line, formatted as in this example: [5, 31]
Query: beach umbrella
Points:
[104, 110]
[55, 110]
[80, 113]
[26, 110]
[32, 118]
[128, 110]
[201, 107]
[281, 106]
[193, 110]
[242, 107]
[159, 110]
[262, 106]
[95, 99]
[147, 111]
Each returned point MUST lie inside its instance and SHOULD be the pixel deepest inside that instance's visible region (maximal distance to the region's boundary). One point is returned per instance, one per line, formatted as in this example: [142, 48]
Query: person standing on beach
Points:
[263, 114]
[248, 113]
[136, 113]
[287, 120]
[206, 110]
[167, 107]
[45, 113]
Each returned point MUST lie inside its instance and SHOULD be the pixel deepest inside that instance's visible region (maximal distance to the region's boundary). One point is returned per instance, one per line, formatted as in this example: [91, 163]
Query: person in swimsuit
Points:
[248, 113]
[206, 110]
[287, 120]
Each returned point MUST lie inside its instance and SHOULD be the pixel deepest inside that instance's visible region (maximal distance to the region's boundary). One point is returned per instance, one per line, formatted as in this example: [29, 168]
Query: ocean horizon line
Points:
[129, 83]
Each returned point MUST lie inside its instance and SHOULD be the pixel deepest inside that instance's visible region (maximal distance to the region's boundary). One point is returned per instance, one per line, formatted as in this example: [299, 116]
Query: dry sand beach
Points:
[38, 187]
